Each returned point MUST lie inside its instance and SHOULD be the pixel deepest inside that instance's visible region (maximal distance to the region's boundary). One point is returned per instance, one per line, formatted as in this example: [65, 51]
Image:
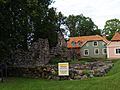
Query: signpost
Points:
[63, 69]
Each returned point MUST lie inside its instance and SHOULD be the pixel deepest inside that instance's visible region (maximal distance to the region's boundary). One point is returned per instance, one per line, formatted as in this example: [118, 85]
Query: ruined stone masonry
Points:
[40, 54]
[76, 71]
[61, 48]
[37, 55]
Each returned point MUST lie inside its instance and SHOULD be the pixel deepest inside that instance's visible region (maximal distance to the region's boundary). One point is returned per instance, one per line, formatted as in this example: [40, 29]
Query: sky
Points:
[98, 10]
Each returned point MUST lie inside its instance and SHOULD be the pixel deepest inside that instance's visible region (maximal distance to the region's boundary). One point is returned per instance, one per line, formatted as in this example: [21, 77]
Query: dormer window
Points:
[95, 43]
[79, 44]
[73, 43]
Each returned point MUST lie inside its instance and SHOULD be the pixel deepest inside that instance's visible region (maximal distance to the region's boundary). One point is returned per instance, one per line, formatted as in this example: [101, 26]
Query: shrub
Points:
[57, 60]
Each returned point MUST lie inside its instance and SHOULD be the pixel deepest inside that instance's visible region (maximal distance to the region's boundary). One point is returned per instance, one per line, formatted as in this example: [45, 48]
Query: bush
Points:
[87, 72]
[91, 59]
[57, 60]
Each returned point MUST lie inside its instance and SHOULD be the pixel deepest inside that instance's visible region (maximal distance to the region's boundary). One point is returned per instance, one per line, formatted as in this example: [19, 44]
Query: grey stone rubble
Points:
[76, 71]
[61, 49]
[91, 69]
[39, 53]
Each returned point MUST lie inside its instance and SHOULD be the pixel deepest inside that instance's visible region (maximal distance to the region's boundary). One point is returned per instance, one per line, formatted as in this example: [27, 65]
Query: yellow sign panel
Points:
[63, 69]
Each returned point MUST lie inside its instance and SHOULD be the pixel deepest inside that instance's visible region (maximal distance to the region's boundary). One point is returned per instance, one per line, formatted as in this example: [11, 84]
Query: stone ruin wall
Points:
[61, 49]
[40, 54]
[76, 71]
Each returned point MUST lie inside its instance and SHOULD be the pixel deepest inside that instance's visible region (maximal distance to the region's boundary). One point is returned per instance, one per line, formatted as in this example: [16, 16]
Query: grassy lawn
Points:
[110, 82]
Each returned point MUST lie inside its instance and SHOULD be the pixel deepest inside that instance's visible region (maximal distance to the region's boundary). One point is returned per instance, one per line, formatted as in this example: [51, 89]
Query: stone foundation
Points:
[76, 71]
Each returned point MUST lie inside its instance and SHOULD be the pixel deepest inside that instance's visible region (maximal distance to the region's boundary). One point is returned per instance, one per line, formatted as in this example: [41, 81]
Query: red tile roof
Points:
[83, 40]
[116, 37]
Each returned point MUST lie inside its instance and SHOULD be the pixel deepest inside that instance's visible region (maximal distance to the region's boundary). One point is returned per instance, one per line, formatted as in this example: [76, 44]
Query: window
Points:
[79, 43]
[95, 43]
[73, 43]
[118, 51]
[86, 52]
[96, 51]
[104, 50]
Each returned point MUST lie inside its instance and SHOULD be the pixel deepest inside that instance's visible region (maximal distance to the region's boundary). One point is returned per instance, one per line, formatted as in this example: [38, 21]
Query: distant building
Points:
[113, 47]
[88, 46]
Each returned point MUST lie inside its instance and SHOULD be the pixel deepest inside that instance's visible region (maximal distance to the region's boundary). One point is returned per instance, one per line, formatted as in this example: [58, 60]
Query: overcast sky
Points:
[99, 10]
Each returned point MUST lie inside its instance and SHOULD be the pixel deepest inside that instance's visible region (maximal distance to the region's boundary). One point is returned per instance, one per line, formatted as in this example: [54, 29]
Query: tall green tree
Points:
[61, 19]
[13, 26]
[80, 25]
[24, 21]
[111, 26]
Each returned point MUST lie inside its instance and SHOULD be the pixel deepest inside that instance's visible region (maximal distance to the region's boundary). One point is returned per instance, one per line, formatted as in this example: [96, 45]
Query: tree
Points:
[24, 21]
[80, 25]
[111, 26]
[13, 26]
[43, 20]
[60, 20]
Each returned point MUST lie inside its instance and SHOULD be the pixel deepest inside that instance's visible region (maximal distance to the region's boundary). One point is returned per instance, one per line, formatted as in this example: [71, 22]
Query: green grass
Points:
[110, 82]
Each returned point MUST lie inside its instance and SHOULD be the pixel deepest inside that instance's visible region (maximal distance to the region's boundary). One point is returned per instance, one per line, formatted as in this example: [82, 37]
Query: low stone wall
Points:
[76, 71]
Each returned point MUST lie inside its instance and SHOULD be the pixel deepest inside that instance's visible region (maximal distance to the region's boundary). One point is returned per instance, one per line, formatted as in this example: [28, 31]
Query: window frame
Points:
[95, 45]
[72, 43]
[103, 50]
[79, 43]
[86, 54]
[95, 52]
[115, 51]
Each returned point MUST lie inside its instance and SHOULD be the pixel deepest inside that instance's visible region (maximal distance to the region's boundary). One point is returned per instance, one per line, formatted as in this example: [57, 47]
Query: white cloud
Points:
[98, 10]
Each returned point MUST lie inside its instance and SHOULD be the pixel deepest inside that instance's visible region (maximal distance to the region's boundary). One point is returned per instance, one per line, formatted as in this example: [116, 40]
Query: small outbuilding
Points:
[113, 47]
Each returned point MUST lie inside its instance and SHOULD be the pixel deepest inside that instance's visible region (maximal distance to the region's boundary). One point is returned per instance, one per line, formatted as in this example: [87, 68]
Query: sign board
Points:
[63, 69]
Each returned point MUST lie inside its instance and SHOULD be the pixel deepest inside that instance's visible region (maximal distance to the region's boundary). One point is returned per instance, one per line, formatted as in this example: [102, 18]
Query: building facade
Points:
[94, 49]
[89, 46]
[113, 47]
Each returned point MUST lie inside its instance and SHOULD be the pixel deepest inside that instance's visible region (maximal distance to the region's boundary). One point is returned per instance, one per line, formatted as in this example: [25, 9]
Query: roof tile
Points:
[83, 40]
[116, 37]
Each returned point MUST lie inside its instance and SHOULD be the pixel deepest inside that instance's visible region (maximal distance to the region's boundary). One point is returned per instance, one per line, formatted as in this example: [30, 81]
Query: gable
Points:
[116, 37]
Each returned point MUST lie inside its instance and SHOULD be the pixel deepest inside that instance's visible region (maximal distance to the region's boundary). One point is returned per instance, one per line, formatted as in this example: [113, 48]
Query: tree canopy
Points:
[80, 25]
[111, 26]
[24, 21]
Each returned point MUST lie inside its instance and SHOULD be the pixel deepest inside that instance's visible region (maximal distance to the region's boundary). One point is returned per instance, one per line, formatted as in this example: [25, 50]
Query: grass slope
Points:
[110, 82]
